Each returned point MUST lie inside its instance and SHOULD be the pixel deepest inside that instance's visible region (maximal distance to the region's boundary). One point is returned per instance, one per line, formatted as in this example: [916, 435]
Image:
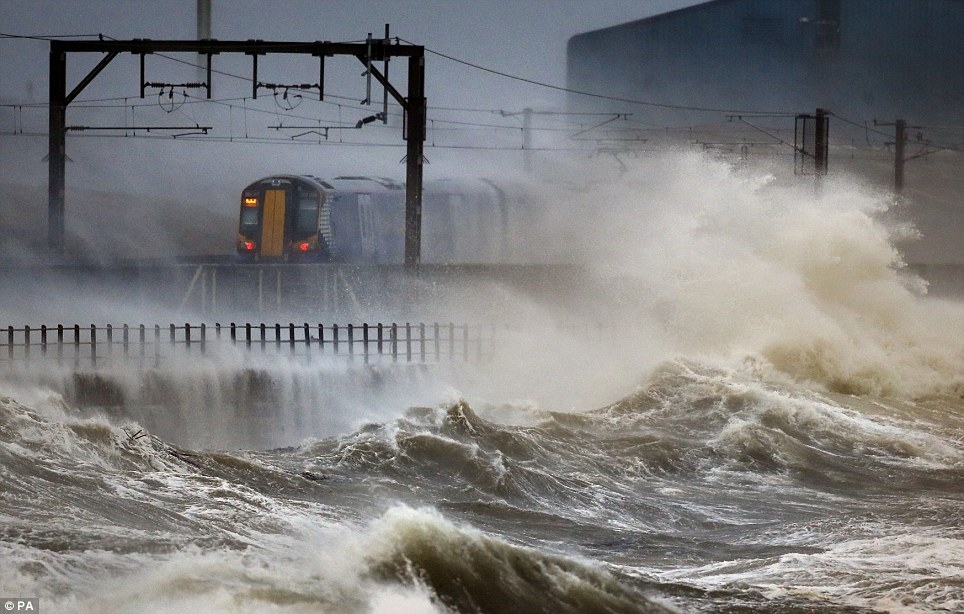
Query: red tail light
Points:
[249, 246]
[304, 246]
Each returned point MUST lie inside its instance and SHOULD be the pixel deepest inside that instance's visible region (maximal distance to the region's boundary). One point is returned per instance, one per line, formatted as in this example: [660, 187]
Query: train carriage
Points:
[289, 218]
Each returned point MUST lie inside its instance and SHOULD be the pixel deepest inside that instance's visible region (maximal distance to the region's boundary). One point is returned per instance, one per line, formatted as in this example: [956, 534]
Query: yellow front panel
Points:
[273, 224]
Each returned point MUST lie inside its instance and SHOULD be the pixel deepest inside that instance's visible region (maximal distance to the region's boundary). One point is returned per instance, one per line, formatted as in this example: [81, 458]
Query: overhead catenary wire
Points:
[927, 142]
[242, 104]
[648, 103]
[542, 84]
[743, 112]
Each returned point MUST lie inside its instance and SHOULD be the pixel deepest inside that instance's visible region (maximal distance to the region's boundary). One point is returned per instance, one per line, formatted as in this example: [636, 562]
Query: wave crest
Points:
[469, 571]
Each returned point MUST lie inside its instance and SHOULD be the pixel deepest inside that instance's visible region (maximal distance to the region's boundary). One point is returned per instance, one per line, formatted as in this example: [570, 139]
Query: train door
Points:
[366, 226]
[273, 224]
[465, 245]
[438, 227]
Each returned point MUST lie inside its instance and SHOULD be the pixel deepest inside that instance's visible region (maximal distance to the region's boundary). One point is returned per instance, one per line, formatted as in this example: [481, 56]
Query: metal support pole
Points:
[821, 143]
[900, 129]
[204, 33]
[415, 136]
[385, 73]
[57, 154]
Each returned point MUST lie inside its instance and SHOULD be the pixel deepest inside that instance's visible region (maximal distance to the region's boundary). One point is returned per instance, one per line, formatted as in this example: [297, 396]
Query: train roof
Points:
[349, 183]
[355, 182]
[366, 183]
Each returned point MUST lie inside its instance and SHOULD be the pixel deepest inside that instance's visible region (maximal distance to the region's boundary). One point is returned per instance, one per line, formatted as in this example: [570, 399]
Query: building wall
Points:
[862, 59]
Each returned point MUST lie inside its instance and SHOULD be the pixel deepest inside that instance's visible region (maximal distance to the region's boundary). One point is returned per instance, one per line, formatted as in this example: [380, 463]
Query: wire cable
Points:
[662, 105]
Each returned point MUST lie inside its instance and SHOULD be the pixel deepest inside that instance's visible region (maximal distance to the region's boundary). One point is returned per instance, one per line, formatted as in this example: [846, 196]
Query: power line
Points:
[89, 104]
[769, 134]
[567, 90]
[925, 142]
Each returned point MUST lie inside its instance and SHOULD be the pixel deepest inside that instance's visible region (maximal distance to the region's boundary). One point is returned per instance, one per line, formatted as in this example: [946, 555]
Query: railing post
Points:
[10, 344]
[43, 340]
[142, 334]
[247, 335]
[264, 329]
[421, 342]
[307, 329]
[26, 344]
[438, 343]
[126, 339]
[157, 346]
[321, 337]
[110, 339]
[187, 335]
[76, 346]
[334, 337]
[351, 340]
[365, 341]
[93, 346]
[408, 342]
[394, 342]
[291, 337]
[142, 337]
[452, 341]
[277, 333]
[380, 333]
[203, 333]
[60, 344]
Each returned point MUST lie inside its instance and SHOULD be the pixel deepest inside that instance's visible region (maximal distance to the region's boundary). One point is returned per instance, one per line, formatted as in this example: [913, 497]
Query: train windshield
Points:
[306, 219]
[249, 216]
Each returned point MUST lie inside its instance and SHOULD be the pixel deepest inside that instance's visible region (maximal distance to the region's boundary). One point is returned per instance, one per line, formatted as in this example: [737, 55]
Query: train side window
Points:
[307, 218]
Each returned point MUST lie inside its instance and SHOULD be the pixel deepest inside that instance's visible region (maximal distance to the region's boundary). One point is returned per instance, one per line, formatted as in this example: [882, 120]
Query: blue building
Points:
[860, 59]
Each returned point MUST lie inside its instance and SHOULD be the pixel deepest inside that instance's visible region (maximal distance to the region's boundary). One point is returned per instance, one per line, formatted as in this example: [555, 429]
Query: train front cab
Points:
[279, 221]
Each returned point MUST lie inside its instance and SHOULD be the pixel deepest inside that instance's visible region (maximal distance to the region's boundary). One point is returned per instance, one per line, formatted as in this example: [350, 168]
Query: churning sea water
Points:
[784, 432]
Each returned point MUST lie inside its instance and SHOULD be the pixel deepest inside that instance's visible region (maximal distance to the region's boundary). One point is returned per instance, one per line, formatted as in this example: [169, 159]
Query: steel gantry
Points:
[372, 50]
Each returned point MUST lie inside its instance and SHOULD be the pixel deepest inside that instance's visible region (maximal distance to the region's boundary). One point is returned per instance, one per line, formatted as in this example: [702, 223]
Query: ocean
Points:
[771, 420]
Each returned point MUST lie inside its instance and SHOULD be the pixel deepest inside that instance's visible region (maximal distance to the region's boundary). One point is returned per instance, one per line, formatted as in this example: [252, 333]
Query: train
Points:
[361, 219]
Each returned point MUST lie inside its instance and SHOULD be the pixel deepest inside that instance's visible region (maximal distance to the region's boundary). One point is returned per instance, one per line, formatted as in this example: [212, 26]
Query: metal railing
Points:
[149, 346]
